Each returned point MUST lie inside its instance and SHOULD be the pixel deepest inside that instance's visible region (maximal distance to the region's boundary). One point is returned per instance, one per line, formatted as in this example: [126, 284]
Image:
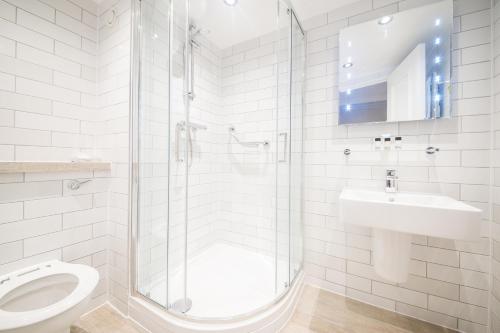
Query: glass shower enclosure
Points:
[217, 154]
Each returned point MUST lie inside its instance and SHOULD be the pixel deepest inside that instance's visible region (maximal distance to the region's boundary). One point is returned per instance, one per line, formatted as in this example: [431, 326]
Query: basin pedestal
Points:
[391, 254]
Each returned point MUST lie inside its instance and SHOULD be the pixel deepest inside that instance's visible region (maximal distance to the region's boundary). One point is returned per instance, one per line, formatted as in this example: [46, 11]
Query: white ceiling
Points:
[308, 8]
[250, 18]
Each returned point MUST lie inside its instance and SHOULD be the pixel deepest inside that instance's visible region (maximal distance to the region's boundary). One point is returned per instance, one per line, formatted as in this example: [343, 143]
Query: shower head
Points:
[195, 31]
[194, 43]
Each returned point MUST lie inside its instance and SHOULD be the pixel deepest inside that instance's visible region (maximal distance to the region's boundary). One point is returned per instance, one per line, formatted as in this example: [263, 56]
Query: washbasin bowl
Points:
[412, 213]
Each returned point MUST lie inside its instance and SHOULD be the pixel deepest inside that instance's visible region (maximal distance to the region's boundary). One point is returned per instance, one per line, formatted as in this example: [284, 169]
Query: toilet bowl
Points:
[45, 298]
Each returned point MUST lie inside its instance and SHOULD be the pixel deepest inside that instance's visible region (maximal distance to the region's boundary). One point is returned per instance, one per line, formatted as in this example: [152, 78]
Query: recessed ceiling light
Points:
[385, 20]
[437, 22]
[348, 65]
[231, 2]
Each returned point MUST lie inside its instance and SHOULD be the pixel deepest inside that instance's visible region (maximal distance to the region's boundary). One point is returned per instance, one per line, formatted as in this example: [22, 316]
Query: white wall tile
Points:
[10, 212]
[11, 192]
[47, 59]
[57, 205]
[15, 101]
[18, 136]
[16, 32]
[38, 89]
[76, 26]
[7, 11]
[457, 309]
[400, 294]
[19, 230]
[48, 29]
[10, 252]
[47, 123]
[35, 7]
[56, 240]
[7, 47]
[75, 54]
[66, 7]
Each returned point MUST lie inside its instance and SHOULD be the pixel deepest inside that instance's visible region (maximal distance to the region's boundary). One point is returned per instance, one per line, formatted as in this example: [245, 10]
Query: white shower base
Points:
[268, 320]
[226, 281]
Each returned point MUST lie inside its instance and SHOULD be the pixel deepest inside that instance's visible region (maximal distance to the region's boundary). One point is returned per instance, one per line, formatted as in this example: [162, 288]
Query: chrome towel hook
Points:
[75, 184]
[431, 150]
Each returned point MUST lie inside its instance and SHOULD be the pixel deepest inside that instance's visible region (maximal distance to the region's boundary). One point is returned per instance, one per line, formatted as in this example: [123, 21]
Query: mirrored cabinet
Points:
[397, 67]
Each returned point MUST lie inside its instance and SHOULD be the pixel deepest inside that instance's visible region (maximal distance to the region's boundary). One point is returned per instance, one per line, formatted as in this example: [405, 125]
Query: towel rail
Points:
[247, 143]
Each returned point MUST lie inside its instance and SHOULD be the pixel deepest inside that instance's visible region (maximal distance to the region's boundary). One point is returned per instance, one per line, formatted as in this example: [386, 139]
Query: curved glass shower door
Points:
[297, 83]
[152, 155]
[219, 162]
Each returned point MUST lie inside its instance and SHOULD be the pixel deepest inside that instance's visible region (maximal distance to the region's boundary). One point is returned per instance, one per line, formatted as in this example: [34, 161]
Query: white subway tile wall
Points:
[249, 92]
[448, 284]
[112, 130]
[64, 87]
[495, 163]
[47, 77]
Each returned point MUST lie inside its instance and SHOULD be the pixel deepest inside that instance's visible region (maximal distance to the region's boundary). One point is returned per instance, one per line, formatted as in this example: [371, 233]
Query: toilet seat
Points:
[87, 278]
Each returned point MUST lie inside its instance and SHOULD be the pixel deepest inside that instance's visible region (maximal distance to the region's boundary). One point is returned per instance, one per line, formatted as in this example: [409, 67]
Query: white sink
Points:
[412, 213]
[394, 217]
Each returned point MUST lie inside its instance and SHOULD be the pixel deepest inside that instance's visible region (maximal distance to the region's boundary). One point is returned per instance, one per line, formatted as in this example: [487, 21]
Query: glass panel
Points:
[296, 113]
[231, 219]
[153, 152]
[178, 158]
[283, 152]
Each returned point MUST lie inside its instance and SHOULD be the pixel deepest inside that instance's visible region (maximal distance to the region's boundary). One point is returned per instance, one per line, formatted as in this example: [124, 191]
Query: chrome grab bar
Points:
[246, 143]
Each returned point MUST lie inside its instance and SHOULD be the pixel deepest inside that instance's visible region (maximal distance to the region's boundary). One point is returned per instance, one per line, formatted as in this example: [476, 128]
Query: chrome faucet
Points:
[391, 185]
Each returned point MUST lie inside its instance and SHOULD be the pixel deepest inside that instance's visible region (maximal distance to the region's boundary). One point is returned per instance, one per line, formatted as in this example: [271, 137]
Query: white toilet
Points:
[45, 298]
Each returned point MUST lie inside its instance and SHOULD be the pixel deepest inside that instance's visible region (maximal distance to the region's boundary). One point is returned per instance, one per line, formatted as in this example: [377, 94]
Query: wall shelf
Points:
[52, 166]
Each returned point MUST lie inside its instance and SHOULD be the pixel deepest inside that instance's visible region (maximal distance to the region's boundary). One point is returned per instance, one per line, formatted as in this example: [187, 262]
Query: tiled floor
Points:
[104, 320]
[318, 311]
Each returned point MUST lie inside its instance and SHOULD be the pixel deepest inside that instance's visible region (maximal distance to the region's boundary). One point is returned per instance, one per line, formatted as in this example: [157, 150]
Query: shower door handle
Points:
[190, 74]
[283, 142]
[178, 128]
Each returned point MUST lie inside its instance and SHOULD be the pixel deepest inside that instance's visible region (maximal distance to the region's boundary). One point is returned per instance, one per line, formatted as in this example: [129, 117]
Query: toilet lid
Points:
[86, 276]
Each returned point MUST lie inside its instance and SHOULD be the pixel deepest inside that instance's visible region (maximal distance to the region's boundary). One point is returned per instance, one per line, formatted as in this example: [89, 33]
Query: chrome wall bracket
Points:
[75, 184]
[431, 150]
